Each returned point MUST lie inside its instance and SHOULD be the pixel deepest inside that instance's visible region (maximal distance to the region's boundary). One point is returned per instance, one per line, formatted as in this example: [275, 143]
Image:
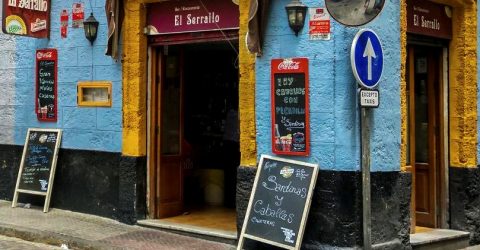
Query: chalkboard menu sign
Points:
[279, 203]
[37, 168]
[290, 111]
[46, 84]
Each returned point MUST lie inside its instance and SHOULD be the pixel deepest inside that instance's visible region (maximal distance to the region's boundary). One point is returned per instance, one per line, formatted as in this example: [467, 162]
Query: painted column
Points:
[134, 79]
[463, 87]
[247, 90]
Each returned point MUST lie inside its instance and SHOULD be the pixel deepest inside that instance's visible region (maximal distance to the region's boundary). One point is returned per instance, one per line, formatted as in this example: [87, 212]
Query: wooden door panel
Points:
[169, 200]
[425, 208]
[422, 191]
[171, 187]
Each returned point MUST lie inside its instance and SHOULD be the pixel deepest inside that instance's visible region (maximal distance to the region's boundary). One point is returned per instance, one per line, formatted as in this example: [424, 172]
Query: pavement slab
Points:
[9, 243]
[82, 231]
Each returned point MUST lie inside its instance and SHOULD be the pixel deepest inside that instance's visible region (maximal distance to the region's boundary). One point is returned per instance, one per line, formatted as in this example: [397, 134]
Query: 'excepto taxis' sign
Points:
[369, 98]
[26, 17]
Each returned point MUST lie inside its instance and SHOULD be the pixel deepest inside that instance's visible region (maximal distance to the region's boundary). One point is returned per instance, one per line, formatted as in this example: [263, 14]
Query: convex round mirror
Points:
[354, 12]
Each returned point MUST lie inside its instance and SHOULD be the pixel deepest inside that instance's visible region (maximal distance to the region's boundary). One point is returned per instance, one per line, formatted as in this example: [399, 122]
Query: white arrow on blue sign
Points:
[366, 57]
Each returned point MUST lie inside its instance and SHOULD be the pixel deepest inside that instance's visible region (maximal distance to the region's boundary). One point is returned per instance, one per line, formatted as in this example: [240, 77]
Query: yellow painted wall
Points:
[134, 69]
[462, 84]
[248, 146]
[463, 87]
[403, 84]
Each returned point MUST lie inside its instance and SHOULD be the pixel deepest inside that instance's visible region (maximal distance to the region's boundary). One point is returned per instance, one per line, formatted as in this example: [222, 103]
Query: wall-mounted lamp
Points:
[91, 27]
[296, 12]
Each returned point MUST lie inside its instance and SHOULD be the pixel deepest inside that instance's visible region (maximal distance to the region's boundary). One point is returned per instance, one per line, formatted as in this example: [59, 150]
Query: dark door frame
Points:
[441, 174]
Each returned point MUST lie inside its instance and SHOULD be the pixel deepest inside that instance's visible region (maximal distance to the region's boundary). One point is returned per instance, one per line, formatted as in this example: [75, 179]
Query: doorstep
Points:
[446, 238]
[201, 232]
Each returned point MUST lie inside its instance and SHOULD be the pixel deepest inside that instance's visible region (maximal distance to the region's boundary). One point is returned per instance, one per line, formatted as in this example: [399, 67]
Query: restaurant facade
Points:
[191, 109]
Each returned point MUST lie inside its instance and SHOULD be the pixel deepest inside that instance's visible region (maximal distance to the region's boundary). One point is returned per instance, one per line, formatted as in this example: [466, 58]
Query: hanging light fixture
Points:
[296, 12]
[91, 27]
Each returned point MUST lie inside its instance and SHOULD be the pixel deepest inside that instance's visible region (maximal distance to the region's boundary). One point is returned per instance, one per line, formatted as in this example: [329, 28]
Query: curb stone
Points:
[51, 238]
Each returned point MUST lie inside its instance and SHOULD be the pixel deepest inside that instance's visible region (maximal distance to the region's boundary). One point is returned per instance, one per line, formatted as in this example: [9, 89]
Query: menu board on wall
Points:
[26, 18]
[279, 203]
[46, 84]
[37, 168]
[290, 106]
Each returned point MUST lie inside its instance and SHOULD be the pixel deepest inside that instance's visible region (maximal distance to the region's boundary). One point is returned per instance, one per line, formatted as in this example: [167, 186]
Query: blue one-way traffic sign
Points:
[367, 58]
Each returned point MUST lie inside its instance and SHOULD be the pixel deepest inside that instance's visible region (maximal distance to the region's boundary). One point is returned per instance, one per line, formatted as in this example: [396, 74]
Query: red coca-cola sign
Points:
[288, 64]
[192, 16]
[26, 18]
[46, 85]
[290, 106]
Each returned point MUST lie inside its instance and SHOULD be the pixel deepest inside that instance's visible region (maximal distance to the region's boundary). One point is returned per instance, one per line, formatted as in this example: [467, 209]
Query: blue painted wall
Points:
[7, 87]
[97, 129]
[334, 120]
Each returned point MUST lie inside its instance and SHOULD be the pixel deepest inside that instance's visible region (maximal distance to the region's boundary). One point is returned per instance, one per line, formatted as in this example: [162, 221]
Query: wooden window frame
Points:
[94, 85]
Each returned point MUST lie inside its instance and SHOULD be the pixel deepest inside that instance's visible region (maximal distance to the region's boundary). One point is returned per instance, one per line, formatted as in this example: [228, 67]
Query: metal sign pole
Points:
[366, 203]
[366, 56]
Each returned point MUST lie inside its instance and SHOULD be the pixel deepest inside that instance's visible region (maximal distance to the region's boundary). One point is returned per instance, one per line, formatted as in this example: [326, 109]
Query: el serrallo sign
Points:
[429, 19]
[26, 17]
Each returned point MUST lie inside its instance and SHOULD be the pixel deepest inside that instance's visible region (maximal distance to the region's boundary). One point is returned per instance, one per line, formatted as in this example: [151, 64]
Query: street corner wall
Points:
[90, 156]
[335, 129]
[87, 128]
[334, 119]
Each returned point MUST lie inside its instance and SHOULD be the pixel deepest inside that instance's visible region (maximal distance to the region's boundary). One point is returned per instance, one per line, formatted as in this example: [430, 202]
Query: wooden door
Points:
[169, 143]
[424, 117]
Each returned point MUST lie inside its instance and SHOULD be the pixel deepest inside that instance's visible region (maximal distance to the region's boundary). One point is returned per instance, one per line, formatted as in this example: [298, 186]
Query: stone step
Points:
[229, 237]
[444, 239]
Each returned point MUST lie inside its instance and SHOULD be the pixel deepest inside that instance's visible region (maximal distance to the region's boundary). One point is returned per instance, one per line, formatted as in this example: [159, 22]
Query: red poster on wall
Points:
[78, 15]
[26, 18]
[64, 24]
[46, 84]
[290, 106]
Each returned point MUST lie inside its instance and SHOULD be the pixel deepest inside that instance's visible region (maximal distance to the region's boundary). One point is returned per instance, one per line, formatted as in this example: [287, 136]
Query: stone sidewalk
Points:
[81, 231]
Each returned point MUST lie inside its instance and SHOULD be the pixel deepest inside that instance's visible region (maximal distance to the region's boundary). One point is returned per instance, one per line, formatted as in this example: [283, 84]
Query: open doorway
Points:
[194, 138]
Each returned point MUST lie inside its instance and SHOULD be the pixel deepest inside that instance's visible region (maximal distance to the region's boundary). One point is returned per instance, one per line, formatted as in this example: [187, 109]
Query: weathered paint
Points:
[403, 84]
[84, 128]
[246, 94]
[7, 76]
[478, 88]
[135, 78]
[334, 120]
[463, 87]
